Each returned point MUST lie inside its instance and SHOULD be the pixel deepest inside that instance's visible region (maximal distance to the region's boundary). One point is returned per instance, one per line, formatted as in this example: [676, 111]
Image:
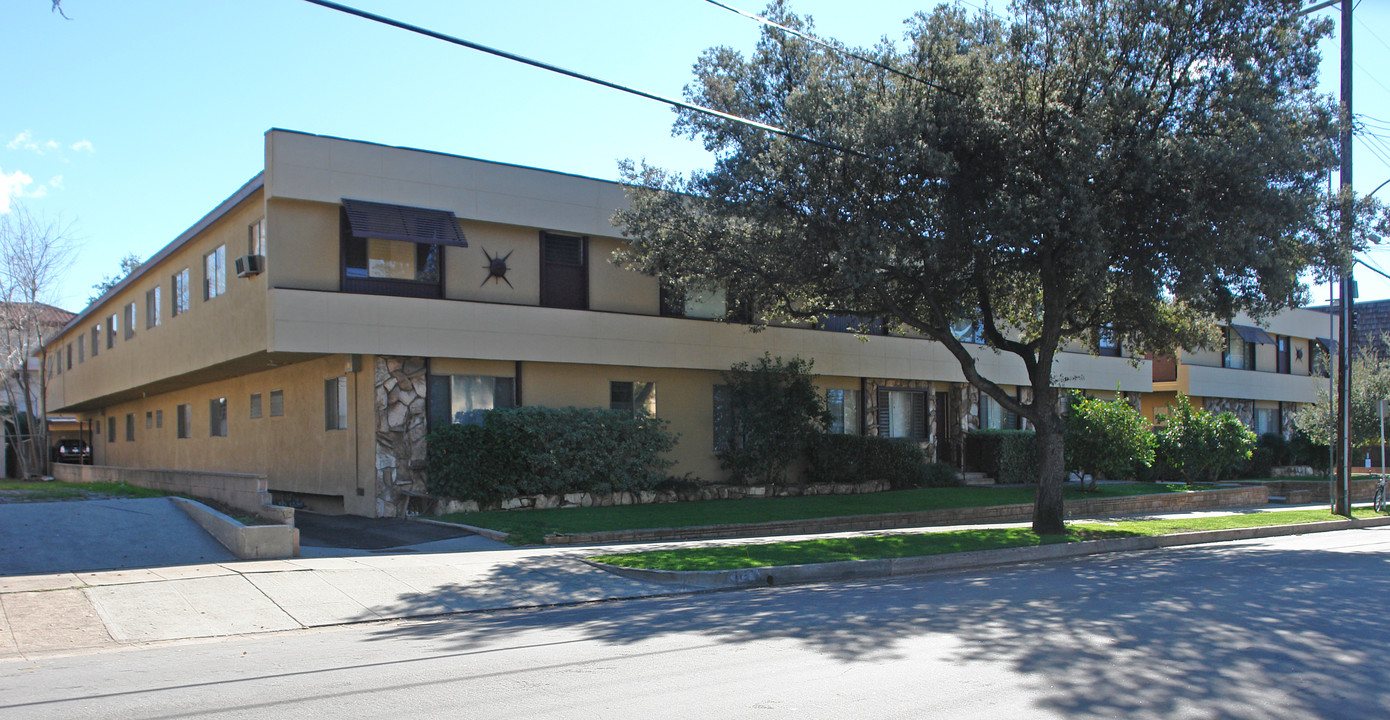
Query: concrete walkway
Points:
[73, 612]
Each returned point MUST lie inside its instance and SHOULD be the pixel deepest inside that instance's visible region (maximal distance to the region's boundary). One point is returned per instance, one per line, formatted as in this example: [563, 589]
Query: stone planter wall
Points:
[646, 497]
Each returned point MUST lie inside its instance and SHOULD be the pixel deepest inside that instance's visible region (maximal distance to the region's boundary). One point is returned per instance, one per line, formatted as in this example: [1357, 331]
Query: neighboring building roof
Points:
[47, 314]
[1372, 322]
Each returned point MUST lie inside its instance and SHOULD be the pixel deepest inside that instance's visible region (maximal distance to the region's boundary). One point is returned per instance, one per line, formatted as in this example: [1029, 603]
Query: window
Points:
[130, 427]
[81, 348]
[185, 421]
[968, 331]
[335, 403]
[993, 416]
[111, 332]
[58, 362]
[179, 289]
[724, 433]
[844, 411]
[1267, 419]
[636, 398]
[1240, 353]
[852, 324]
[149, 419]
[159, 418]
[152, 298]
[564, 271]
[96, 339]
[902, 413]
[463, 399]
[111, 430]
[1107, 344]
[130, 321]
[68, 354]
[255, 244]
[277, 403]
[215, 273]
[395, 250]
[703, 303]
[255, 405]
[1282, 355]
[217, 417]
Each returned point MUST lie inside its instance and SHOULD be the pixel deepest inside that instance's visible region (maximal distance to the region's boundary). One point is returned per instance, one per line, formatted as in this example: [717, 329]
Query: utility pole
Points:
[1341, 486]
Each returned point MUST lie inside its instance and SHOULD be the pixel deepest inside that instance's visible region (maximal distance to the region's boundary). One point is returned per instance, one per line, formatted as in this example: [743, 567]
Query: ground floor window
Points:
[130, 427]
[464, 399]
[185, 421]
[635, 398]
[217, 417]
[1266, 419]
[335, 403]
[993, 416]
[843, 406]
[902, 413]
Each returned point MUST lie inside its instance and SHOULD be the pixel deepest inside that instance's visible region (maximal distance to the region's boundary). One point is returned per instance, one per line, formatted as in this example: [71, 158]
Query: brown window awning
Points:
[1253, 334]
[401, 222]
[1328, 343]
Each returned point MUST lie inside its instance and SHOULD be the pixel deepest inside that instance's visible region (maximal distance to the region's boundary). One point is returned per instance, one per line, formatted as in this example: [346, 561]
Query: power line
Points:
[580, 76]
[841, 49]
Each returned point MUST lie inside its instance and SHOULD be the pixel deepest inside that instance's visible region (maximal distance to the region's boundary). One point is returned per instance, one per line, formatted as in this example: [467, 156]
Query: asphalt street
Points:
[1290, 627]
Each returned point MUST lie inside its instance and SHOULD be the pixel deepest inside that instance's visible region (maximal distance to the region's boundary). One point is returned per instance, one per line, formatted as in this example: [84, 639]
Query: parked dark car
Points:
[72, 451]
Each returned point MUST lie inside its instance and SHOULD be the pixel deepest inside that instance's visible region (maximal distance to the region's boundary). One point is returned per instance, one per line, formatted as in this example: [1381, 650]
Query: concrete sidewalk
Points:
[79, 612]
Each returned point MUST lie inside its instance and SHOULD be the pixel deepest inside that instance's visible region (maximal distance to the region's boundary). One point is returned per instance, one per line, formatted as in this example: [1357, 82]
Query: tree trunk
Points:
[1048, 517]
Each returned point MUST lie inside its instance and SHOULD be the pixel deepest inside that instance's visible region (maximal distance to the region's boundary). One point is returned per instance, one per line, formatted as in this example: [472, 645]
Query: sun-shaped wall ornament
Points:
[497, 268]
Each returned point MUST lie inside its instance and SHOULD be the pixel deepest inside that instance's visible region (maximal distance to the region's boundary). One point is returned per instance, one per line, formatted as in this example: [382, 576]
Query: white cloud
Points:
[23, 141]
[51, 145]
[83, 146]
[12, 185]
[56, 182]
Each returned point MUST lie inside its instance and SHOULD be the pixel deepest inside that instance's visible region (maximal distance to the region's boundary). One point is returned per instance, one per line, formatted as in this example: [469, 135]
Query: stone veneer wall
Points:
[400, 430]
[1243, 409]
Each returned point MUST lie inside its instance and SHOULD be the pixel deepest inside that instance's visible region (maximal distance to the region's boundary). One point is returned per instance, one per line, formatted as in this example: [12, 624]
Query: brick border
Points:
[1097, 507]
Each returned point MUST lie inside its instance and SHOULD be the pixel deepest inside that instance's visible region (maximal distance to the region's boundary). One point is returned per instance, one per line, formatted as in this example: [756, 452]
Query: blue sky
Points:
[135, 118]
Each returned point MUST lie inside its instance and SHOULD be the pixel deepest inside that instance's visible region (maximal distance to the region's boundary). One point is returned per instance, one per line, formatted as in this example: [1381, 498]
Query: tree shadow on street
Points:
[1204, 630]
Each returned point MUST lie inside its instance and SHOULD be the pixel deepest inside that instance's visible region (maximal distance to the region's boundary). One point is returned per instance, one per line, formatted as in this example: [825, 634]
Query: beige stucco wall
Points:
[213, 331]
[294, 451]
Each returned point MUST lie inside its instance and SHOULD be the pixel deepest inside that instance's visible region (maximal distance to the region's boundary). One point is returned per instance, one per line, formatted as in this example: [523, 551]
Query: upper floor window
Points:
[1283, 363]
[1107, 344]
[968, 331]
[130, 321]
[1239, 353]
[395, 250]
[636, 398]
[152, 298]
[852, 324]
[111, 330]
[81, 348]
[564, 271]
[703, 303]
[180, 292]
[215, 273]
[96, 339]
[255, 241]
[68, 355]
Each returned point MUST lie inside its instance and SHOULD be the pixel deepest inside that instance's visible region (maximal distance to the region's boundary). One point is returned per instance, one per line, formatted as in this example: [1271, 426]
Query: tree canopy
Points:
[1073, 168]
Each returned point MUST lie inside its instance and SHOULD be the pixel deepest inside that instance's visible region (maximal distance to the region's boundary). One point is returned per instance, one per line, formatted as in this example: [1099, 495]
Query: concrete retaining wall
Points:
[1311, 491]
[1252, 496]
[247, 542]
[242, 491]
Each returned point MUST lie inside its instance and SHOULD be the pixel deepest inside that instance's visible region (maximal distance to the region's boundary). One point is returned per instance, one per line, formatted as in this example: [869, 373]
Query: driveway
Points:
[86, 535]
[340, 535]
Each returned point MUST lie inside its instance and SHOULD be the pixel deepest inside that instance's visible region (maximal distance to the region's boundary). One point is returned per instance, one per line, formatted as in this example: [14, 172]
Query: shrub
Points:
[1008, 456]
[856, 458]
[774, 411]
[1271, 451]
[1106, 438]
[536, 450]
[1304, 451]
[1201, 446]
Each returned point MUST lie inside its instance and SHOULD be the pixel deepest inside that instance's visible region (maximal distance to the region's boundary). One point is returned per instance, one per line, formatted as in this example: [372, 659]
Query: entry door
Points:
[564, 271]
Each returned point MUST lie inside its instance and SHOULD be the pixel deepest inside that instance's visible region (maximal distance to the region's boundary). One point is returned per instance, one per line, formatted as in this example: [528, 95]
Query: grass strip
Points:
[732, 557]
[531, 526]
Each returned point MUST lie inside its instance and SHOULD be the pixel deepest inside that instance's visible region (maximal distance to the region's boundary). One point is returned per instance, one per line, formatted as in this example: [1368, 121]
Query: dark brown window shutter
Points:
[882, 409]
[919, 416]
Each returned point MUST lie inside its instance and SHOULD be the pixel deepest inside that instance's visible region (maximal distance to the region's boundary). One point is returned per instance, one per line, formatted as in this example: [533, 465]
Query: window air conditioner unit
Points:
[248, 265]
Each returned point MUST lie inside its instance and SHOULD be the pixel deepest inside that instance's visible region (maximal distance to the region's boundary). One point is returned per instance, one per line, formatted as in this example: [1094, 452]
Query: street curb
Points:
[497, 535]
[895, 567]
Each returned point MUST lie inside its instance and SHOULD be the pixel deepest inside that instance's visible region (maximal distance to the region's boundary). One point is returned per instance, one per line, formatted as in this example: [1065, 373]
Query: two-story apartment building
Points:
[319, 321]
[1263, 374]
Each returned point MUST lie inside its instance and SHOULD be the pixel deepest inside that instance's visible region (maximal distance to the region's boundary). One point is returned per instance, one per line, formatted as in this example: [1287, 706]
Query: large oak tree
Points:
[1134, 165]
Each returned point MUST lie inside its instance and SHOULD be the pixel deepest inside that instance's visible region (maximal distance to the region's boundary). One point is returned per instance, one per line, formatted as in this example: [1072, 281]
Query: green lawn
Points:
[531, 526]
[729, 557]
[29, 491]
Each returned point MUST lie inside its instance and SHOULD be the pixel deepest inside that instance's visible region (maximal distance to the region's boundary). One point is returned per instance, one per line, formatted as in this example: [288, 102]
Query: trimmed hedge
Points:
[1008, 456]
[538, 450]
[856, 458]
